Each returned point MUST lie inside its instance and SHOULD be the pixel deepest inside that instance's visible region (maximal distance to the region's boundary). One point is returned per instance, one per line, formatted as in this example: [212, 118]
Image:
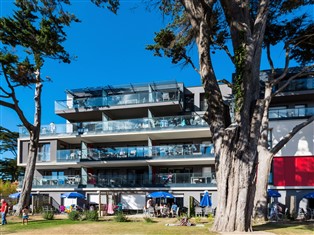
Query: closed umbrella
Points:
[72, 195]
[206, 200]
[273, 193]
[160, 194]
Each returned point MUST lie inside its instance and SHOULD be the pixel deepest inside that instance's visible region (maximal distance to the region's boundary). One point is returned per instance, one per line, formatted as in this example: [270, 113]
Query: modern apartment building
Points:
[293, 166]
[119, 143]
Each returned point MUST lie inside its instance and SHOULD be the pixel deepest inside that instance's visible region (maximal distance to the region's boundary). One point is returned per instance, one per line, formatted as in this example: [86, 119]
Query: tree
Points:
[248, 25]
[36, 31]
[7, 187]
[8, 166]
[8, 141]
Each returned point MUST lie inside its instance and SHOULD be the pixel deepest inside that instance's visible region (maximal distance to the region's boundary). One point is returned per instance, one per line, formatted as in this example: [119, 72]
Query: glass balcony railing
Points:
[290, 113]
[117, 100]
[158, 180]
[68, 155]
[130, 125]
[129, 153]
[123, 180]
[54, 181]
[155, 152]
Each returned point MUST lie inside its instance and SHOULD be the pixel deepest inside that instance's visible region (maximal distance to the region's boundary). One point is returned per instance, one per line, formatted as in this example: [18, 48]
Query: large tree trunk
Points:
[24, 199]
[260, 201]
[235, 183]
[34, 131]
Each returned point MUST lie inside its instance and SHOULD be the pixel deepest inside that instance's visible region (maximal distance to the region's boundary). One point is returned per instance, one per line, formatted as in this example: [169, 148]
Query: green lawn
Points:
[289, 227]
[137, 226]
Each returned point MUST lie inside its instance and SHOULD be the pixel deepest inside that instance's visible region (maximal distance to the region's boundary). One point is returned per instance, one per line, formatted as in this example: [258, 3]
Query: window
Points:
[270, 138]
[43, 152]
[300, 110]
[189, 103]
[204, 104]
[278, 112]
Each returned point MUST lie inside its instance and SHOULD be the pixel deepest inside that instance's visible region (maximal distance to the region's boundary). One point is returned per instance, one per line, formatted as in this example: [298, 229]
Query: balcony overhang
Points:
[122, 111]
[160, 134]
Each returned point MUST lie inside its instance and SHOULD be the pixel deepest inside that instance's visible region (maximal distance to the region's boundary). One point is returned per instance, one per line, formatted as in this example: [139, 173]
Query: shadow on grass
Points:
[289, 226]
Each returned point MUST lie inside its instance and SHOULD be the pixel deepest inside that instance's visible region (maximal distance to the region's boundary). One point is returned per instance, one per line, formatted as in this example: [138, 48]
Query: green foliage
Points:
[120, 217]
[287, 22]
[91, 215]
[48, 215]
[239, 61]
[112, 5]
[167, 43]
[8, 140]
[74, 215]
[7, 188]
[148, 219]
[197, 219]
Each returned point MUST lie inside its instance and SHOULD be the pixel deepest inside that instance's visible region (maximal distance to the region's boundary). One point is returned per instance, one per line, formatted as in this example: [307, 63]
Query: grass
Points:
[106, 225]
[287, 227]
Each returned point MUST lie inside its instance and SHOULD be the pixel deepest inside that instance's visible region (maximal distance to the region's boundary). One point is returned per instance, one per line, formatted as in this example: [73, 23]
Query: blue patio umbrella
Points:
[309, 195]
[72, 195]
[206, 200]
[15, 195]
[160, 194]
[273, 193]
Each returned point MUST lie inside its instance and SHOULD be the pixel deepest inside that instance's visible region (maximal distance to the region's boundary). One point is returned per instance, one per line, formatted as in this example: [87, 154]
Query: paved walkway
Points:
[250, 233]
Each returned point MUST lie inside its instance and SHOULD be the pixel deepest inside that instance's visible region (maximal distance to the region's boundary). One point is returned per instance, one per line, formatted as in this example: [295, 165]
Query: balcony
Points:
[155, 152]
[181, 151]
[127, 181]
[68, 155]
[290, 113]
[118, 100]
[127, 125]
[66, 181]
[158, 180]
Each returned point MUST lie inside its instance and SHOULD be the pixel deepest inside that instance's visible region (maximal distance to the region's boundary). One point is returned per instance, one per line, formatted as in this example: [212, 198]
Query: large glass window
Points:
[43, 152]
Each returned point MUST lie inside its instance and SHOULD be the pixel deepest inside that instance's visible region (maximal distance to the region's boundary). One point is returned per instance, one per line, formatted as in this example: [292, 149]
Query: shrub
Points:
[120, 217]
[48, 215]
[148, 219]
[74, 215]
[91, 215]
[197, 219]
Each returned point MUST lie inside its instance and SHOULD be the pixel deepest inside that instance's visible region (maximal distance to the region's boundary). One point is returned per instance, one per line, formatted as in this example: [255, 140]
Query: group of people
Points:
[162, 209]
[5, 209]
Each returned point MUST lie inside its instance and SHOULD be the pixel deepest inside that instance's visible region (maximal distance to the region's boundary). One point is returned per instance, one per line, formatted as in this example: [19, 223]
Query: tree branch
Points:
[286, 68]
[282, 142]
[15, 105]
[270, 60]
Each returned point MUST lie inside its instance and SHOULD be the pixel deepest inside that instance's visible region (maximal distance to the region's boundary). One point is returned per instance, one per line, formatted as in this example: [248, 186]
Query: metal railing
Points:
[136, 152]
[118, 100]
[162, 151]
[54, 181]
[127, 125]
[290, 113]
[158, 180]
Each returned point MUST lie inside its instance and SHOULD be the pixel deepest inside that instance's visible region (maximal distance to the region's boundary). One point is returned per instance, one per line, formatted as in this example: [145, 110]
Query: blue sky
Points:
[110, 50]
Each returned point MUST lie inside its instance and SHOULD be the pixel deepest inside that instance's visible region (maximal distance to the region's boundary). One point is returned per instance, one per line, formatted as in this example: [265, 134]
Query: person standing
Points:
[52, 127]
[4, 211]
[25, 212]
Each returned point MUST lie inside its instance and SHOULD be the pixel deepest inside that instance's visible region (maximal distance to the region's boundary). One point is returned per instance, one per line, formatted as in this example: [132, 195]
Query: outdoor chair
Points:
[198, 211]
[151, 211]
[207, 211]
